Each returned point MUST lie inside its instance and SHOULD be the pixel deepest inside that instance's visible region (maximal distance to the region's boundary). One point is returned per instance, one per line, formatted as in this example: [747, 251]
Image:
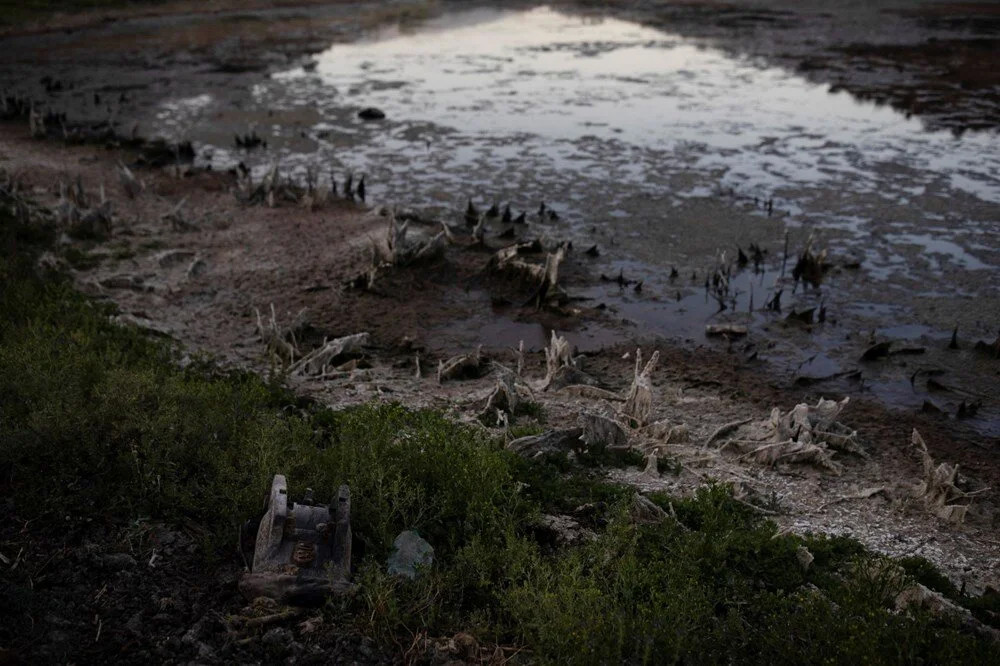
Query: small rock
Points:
[409, 552]
[371, 113]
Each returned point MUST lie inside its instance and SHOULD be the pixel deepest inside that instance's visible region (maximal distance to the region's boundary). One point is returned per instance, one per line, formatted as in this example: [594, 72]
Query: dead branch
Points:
[459, 367]
[132, 185]
[644, 511]
[939, 490]
[725, 430]
[548, 442]
[639, 401]
[504, 397]
[558, 354]
[274, 339]
[398, 252]
[864, 494]
[318, 361]
[665, 432]
[591, 392]
[600, 430]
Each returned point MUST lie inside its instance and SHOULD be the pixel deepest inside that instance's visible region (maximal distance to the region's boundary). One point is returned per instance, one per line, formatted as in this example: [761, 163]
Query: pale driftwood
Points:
[569, 376]
[171, 258]
[433, 248]
[520, 358]
[817, 424]
[177, 219]
[729, 330]
[804, 434]
[919, 597]
[549, 442]
[74, 211]
[591, 392]
[318, 361]
[460, 366]
[867, 493]
[504, 398]
[938, 489]
[550, 276]
[479, 231]
[725, 430]
[132, 185]
[507, 260]
[544, 278]
[273, 189]
[398, 252]
[196, 268]
[274, 338]
[652, 465]
[639, 401]
[558, 354]
[644, 511]
[665, 432]
[794, 452]
[603, 431]
[448, 235]
[316, 198]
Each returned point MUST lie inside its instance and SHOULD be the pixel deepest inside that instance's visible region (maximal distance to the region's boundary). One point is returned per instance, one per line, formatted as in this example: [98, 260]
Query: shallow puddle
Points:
[660, 150]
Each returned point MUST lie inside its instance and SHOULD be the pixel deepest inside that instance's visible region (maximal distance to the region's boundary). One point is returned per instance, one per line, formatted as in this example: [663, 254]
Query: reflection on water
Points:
[490, 73]
[656, 148]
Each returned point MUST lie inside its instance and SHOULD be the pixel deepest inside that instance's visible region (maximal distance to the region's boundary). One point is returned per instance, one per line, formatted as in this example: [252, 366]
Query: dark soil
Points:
[92, 589]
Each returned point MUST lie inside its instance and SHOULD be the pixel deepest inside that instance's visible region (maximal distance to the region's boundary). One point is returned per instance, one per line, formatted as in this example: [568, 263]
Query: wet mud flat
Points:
[202, 272]
[208, 273]
[671, 138]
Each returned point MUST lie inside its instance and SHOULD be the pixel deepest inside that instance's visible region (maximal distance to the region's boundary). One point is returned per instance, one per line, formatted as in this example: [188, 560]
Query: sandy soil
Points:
[203, 285]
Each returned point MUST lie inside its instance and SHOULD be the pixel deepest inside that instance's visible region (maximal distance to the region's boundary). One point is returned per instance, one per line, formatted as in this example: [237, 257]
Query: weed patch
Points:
[99, 422]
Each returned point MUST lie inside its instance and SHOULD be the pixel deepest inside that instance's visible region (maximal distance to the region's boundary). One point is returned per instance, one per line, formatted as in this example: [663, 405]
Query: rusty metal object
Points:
[303, 550]
[304, 553]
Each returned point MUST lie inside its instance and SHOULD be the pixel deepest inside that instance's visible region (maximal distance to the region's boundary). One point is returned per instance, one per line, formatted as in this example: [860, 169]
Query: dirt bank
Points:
[203, 280]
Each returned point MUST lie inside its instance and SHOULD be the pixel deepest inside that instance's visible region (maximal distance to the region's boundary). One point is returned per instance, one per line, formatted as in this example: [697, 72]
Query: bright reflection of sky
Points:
[490, 73]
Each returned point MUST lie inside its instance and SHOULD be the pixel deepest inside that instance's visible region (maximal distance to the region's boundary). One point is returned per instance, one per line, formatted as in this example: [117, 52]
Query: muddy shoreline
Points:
[213, 309]
[255, 257]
